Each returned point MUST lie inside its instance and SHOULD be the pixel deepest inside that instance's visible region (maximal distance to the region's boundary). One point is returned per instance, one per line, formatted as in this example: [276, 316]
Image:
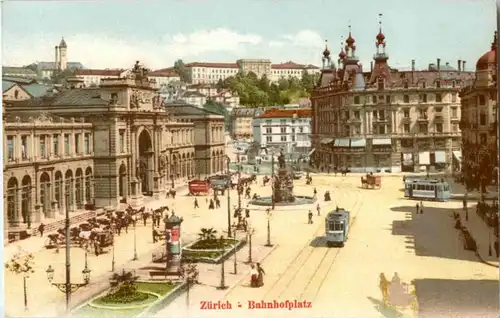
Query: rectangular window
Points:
[438, 98]
[406, 113]
[10, 148]
[388, 99]
[269, 122]
[55, 144]
[439, 127]
[77, 143]
[406, 128]
[269, 130]
[406, 99]
[356, 114]
[454, 112]
[454, 96]
[24, 147]
[293, 137]
[283, 138]
[67, 146]
[482, 100]
[282, 121]
[43, 148]
[86, 144]
[482, 119]
[422, 128]
[283, 130]
[301, 130]
[454, 127]
[356, 99]
[122, 140]
[381, 114]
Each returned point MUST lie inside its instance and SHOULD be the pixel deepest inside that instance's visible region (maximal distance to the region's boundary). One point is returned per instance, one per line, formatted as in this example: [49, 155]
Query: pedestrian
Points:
[155, 235]
[418, 208]
[144, 217]
[41, 229]
[260, 275]
[254, 276]
[196, 206]
[315, 192]
[125, 223]
[96, 248]
[310, 217]
[421, 207]
[318, 209]
[119, 226]
[158, 218]
[217, 203]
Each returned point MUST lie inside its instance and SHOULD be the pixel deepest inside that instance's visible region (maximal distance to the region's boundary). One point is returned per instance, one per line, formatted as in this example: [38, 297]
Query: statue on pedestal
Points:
[281, 160]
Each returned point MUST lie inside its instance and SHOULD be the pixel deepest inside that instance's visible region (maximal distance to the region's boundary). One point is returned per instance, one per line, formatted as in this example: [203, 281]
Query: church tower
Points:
[63, 55]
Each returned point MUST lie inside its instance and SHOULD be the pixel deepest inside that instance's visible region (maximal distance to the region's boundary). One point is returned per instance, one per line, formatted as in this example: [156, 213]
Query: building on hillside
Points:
[479, 122]
[241, 122]
[48, 168]
[287, 129]
[227, 99]
[23, 72]
[133, 146]
[290, 70]
[209, 90]
[385, 119]
[93, 77]
[194, 98]
[210, 73]
[61, 56]
[17, 89]
[173, 91]
[208, 137]
[259, 67]
[45, 70]
[164, 77]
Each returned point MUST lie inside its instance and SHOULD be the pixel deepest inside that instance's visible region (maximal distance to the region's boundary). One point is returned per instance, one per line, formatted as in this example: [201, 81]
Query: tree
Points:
[22, 266]
[308, 81]
[190, 273]
[207, 234]
[283, 84]
[59, 77]
[182, 70]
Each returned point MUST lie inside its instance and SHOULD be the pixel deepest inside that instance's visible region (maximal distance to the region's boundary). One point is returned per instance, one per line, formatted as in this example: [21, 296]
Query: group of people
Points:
[257, 275]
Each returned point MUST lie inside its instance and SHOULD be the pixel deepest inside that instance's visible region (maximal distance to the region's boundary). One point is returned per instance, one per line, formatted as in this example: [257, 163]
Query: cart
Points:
[371, 181]
[197, 187]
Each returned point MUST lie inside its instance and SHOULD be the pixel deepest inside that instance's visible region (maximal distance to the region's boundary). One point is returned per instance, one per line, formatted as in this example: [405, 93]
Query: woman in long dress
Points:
[260, 275]
[254, 276]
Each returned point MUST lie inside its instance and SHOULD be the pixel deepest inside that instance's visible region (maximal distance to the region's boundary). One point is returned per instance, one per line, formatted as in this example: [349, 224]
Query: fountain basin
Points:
[268, 201]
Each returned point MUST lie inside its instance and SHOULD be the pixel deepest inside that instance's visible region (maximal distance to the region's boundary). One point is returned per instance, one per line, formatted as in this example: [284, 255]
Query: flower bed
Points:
[210, 252]
[109, 305]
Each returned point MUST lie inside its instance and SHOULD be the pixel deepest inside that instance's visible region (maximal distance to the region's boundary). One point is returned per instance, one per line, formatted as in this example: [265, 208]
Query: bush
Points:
[127, 293]
[211, 244]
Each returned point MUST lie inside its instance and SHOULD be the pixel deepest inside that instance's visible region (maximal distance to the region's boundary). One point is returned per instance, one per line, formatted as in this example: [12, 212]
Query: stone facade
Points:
[48, 167]
[386, 119]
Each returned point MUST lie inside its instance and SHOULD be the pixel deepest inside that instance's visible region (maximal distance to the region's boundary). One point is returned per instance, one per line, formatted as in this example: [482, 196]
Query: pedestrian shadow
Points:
[385, 310]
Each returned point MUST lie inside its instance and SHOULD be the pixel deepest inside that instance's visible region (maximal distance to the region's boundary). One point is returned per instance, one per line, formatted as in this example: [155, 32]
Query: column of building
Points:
[155, 155]
[133, 170]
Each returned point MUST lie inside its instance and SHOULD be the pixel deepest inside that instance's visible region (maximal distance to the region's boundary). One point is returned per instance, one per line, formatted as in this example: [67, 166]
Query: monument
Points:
[283, 182]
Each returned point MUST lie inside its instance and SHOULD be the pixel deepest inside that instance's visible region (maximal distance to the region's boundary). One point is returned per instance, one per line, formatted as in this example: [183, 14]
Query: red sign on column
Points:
[174, 234]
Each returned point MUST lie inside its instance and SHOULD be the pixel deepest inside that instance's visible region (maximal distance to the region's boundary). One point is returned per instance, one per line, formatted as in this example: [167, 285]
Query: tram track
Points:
[318, 257]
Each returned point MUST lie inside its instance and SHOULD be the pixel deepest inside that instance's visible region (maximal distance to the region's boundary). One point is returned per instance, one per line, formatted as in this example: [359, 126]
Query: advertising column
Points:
[174, 250]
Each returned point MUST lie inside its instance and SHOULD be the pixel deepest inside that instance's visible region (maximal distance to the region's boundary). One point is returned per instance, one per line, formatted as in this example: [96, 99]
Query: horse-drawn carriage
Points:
[371, 181]
[197, 187]
[84, 235]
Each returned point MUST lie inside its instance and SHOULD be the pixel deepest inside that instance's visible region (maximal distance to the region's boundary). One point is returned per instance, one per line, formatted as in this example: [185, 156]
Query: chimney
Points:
[57, 57]
[371, 66]
[459, 65]
[413, 65]
[463, 66]
[439, 64]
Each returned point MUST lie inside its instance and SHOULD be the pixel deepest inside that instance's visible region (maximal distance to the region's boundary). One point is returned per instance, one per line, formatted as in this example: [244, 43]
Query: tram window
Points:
[336, 226]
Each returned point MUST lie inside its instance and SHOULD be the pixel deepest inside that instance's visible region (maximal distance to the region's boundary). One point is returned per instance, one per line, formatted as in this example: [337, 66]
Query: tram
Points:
[427, 189]
[337, 227]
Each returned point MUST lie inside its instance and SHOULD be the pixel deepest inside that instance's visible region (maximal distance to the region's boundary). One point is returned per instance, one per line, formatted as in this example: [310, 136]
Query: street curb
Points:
[485, 262]
[247, 272]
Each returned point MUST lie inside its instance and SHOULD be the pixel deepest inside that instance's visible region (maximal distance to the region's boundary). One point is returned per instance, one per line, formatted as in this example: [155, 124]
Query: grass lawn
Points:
[199, 254]
[157, 288]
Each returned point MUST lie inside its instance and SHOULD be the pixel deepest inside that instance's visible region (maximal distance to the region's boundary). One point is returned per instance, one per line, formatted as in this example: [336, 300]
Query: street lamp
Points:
[113, 256]
[135, 240]
[269, 215]
[272, 179]
[229, 199]
[222, 272]
[239, 178]
[250, 232]
[235, 250]
[67, 287]
[172, 175]
[189, 273]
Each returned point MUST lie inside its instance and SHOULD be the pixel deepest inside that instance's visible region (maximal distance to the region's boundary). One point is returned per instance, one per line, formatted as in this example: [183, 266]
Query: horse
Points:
[364, 182]
[344, 172]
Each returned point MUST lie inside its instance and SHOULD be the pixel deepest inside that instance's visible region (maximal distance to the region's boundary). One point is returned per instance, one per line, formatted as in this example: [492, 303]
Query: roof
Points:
[63, 43]
[244, 112]
[51, 65]
[73, 97]
[18, 71]
[212, 65]
[292, 65]
[180, 108]
[7, 85]
[88, 72]
[286, 113]
[163, 73]
[19, 80]
[38, 90]
[216, 108]
[193, 94]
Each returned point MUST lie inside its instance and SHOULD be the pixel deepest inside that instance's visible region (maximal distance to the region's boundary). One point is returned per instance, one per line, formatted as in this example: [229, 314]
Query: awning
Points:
[326, 140]
[458, 155]
[384, 141]
[312, 151]
[341, 143]
[424, 158]
[358, 143]
[440, 157]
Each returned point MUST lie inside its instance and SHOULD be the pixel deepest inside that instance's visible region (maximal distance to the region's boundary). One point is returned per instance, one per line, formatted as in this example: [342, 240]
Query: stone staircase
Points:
[55, 225]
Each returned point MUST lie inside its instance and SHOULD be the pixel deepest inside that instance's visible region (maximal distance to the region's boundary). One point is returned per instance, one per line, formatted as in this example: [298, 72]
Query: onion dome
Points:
[488, 59]
[326, 52]
[350, 40]
[342, 54]
[63, 43]
[380, 37]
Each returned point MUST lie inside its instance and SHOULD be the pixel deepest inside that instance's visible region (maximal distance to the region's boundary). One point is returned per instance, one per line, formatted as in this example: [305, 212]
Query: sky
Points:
[114, 34]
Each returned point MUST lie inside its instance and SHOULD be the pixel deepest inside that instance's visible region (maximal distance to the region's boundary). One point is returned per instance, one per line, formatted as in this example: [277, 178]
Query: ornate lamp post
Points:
[235, 264]
[67, 287]
[222, 272]
[190, 273]
[228, 200]
[250, 232]
[239, 178]
[135, 240]
[272, 180]
[172, 174]
[268, 215]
